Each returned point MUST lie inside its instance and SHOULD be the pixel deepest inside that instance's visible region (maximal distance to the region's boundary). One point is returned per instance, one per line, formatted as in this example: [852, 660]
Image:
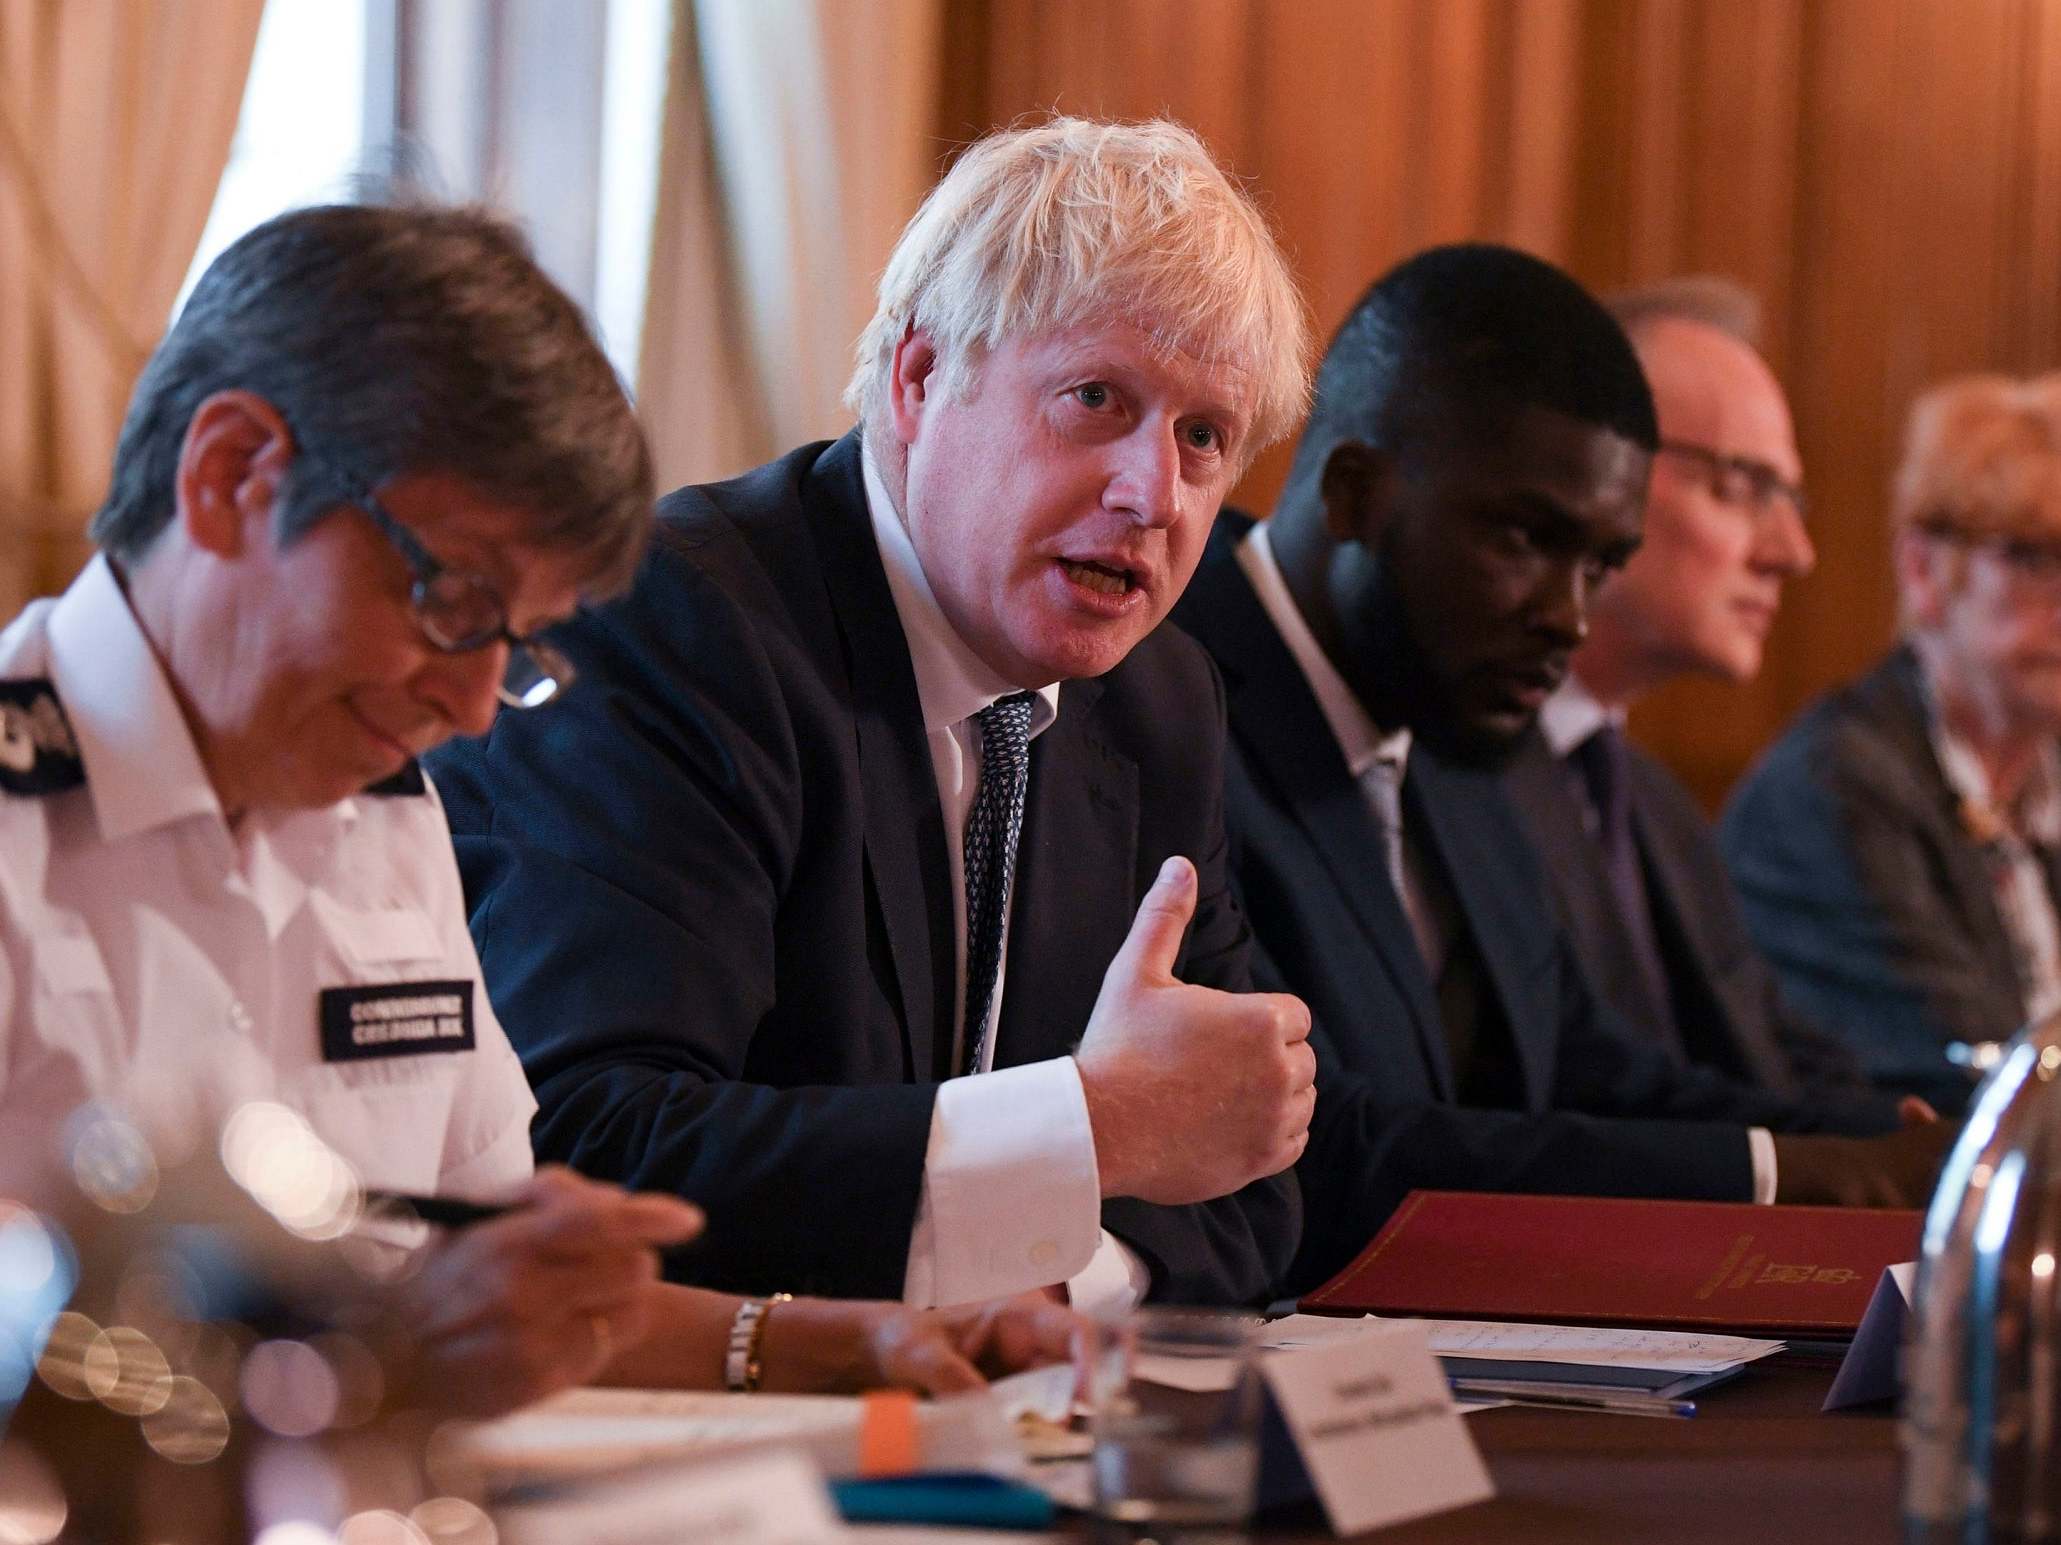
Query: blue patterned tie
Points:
[991, 832]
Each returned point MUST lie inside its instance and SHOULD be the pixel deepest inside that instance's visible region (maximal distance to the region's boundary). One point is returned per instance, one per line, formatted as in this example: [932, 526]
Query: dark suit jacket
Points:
[1725, 1010]
[1864, 888]
[1595, 1109]
[712, 900]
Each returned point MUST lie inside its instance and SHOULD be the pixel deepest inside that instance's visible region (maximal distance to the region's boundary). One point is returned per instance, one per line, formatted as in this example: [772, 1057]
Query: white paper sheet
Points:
[771, 1497]
[1042, 1392]
[587, 1430]
[1202, 1375]
[1600, 1346]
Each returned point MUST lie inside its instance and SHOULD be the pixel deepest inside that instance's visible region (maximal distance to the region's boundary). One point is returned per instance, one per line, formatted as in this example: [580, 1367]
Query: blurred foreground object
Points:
[1982, 1372]
[199, 1348]
[1176, 1411]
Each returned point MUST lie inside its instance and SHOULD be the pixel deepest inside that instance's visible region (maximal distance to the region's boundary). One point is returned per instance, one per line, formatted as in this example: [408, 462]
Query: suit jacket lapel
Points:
[1450, 804]
[905, 828]
[1904, 718]
[1573, 858]
[1075, 886]
[1282, 733]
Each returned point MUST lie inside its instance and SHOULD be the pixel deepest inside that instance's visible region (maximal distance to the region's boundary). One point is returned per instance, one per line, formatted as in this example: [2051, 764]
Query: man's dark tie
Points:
[1606, 767]
[991, 832]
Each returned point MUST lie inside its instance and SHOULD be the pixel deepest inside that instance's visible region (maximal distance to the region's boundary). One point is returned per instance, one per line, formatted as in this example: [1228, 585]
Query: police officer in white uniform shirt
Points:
[376, 455]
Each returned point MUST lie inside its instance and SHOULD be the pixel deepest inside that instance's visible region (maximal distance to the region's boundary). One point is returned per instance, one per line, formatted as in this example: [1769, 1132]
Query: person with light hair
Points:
[817, 902]
[1899, 849]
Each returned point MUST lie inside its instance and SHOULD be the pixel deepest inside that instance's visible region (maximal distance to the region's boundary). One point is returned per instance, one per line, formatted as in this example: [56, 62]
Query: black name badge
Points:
[395, 1019]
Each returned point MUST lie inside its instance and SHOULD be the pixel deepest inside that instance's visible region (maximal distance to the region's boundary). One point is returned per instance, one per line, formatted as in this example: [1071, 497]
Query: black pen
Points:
[451, 1212]
[443, 1211]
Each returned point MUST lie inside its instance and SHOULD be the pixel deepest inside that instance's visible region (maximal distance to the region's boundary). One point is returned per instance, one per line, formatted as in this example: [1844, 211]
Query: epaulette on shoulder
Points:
[37, 752]
[408, 780]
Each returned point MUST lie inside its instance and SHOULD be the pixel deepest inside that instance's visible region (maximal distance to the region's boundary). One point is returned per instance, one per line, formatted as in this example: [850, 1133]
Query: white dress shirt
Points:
[1012, 1195]
[1569, 717]
[1378, 761]
[154, 953]
[1572, 714]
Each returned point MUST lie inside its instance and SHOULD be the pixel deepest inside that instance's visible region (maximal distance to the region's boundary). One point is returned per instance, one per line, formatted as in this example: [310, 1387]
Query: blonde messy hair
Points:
[1070, 221]
[1982, 461]
[1982, 458]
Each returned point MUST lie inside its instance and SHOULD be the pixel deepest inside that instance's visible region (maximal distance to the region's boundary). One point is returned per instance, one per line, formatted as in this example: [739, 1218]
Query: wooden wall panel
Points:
[1675, 85]
[1885, 173]
[1187, 58]
[2036, 254]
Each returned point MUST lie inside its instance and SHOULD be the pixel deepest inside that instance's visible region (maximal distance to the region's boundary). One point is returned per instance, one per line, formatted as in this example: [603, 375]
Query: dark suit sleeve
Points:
[1624, 1120]
[1607, 1068]
[1369, 1149]
[1846, 885]
[1822, 1064]
[1381, 1128]
[1827, 1067]
[626, 855]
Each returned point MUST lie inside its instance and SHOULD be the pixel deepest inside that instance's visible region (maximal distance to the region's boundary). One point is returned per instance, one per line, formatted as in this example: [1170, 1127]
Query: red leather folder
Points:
[1718, 1266]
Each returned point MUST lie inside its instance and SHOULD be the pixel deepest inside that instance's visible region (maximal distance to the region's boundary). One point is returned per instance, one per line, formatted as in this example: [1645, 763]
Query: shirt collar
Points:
[1358, 736]
[2037, 817]
[142, 768]
[952, 682]
[1572, 714]
[141, 763]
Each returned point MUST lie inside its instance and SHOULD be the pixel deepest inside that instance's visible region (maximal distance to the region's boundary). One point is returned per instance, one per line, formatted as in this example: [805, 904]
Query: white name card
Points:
[1375, 1426]
[774, 1498]
[1868, 1372]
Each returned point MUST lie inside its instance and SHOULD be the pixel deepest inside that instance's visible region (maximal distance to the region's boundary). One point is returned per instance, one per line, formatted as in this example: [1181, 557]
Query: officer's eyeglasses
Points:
[459, 612]
[1745, 482]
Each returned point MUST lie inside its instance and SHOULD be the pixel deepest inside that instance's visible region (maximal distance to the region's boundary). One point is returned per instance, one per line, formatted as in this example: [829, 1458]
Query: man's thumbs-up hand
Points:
[1192, 1093]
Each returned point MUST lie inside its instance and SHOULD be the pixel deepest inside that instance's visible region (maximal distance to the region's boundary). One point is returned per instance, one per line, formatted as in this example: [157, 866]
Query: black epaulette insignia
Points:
[408, 780]
[37, 752]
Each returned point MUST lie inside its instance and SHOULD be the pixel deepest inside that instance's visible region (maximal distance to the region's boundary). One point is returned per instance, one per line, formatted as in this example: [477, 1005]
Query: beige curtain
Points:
[798, 140]
[115, 123]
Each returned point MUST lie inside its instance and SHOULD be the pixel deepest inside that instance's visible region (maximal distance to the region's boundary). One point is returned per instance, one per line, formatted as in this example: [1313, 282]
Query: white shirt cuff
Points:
[1760, 1148]
[1112, 1284]
[1012, 1198]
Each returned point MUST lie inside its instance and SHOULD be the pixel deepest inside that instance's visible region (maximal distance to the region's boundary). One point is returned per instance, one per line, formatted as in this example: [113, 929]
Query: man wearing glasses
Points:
[376, 454]
[1634, 867]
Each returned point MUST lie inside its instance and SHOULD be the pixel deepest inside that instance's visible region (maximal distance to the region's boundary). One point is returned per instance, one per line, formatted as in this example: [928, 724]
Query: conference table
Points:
[1757, 1463]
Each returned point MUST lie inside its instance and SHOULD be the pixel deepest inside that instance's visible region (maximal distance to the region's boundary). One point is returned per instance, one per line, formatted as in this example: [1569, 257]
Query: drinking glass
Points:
[1175, 1402]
